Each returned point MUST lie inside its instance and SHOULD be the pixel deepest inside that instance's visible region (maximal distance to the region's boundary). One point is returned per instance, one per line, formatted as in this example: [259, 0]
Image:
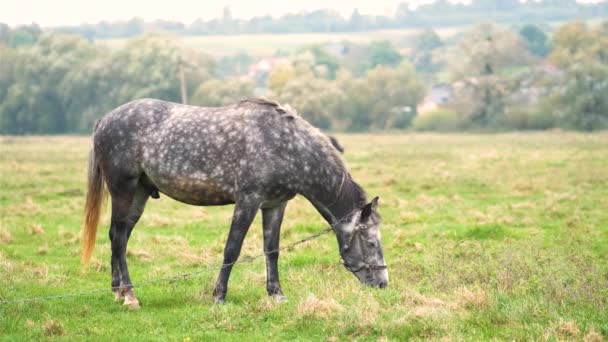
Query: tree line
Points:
[438, 13]
[63, 83]
[494, 78]
[502, 80]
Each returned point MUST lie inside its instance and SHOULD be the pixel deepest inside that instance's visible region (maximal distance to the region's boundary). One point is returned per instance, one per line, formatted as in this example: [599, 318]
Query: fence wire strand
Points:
[175, 277]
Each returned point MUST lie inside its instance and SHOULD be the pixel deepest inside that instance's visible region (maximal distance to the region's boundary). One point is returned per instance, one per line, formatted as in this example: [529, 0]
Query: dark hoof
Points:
[220, 301]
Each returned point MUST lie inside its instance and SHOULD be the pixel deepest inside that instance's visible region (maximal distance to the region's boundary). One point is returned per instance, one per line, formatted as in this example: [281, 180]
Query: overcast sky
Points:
[74, 12]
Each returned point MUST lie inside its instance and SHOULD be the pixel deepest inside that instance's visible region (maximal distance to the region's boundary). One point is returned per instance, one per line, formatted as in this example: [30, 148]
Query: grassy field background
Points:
[486, 237]
[261, 45]
[266, 44]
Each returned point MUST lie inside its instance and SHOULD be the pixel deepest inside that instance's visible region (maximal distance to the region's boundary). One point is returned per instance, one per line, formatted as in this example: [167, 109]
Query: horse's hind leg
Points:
[272, 219]
[128, 204]
[244, 213]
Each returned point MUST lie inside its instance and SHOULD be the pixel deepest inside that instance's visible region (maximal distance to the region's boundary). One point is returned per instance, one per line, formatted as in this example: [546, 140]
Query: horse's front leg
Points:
[244, 213]
[272, 219]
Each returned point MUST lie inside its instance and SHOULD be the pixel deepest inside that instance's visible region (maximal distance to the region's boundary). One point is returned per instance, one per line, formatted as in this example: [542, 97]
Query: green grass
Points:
[486, 236]
[262, 45]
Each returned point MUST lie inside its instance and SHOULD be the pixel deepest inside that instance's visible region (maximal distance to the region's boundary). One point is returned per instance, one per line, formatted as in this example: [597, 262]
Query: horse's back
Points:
[207, 155]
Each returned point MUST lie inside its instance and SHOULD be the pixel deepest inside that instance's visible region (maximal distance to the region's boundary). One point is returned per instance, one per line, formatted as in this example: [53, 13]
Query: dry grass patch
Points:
[98, 265]
[593, 336]
[68, 237]
[53, 328]
[190, 257]
[160, 271]
[140, 254]
[313, 306]
[5, 237]
[27, 207]
[568, 328]
[408, 217]
[7, 265]
[476, 297]
[266, 304]
[522, 205]
[157, 220]
[562, 331]
[368, 310]
[40, 272]
[179, 248]
[35, 229]
[422, 306]
[175, 240]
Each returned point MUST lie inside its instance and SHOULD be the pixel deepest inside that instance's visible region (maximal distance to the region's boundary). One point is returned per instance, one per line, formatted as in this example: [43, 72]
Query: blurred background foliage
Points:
[502, 75]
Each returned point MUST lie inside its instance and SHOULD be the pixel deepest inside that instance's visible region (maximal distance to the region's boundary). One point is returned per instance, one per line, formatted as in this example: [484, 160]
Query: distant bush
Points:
[440, 120]
[214, 92]
[522, 119]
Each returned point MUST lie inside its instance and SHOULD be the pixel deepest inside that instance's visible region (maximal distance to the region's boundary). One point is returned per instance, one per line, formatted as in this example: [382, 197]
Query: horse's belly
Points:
[194, 191]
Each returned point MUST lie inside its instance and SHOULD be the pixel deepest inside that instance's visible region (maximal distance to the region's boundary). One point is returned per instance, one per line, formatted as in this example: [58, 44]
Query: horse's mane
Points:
[348, 188]
[350, 192]
[285, 110]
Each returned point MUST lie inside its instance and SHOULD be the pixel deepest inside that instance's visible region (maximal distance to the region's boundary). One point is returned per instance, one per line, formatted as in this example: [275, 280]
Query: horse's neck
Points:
[336, 201]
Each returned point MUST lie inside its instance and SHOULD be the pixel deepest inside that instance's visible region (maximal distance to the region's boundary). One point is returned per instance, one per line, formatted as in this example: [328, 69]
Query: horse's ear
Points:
[366, 211]
[375, 202]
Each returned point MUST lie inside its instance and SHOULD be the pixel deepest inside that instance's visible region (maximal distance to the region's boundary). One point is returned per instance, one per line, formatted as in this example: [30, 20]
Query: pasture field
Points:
[487, 237]
[261, 45]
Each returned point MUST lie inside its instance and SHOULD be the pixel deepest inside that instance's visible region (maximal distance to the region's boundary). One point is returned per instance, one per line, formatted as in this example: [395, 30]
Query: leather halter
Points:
[363, 265]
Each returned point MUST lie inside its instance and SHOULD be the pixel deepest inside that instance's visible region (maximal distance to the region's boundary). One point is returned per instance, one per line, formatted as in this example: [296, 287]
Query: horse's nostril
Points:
[382, 284]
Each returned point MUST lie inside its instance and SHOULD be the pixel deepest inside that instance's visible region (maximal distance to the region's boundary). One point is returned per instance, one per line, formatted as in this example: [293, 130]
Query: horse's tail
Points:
[95, 197]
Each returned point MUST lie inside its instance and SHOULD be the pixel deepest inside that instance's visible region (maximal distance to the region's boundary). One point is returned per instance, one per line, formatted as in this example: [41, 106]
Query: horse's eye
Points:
[372, 244]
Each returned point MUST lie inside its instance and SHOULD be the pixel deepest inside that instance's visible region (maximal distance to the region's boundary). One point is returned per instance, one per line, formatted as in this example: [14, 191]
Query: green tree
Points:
[234, 65]
[536, 40]
[8, 63]
[482, 62]
[33, 102]
[356, 21]
[146, 67]
[63, 83]
[425, 45]
[383, 52]
[582, 100]
[24, 35]
[279, 77]
[385, 98]
[323, 58]
[316, 98]
[5, 34]
[403, 13]
[213, 93]
[393, 95]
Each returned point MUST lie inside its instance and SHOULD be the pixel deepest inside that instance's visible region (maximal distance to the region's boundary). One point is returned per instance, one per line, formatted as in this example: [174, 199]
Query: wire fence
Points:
[175, 277]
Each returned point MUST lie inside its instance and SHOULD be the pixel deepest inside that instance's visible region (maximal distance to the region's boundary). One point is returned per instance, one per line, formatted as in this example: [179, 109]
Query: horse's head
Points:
[360, 247]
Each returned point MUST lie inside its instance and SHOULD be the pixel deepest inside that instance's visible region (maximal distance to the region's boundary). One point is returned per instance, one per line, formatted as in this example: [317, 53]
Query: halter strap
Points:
[363, 265]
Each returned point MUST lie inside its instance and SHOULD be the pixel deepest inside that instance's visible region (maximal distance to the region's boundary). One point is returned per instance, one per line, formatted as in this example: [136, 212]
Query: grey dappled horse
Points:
[254, 154]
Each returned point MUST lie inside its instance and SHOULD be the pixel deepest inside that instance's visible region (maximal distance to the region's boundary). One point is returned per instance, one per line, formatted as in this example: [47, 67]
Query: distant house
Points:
[532, 89]
[264, 66]
[437, 96]
[259, 71]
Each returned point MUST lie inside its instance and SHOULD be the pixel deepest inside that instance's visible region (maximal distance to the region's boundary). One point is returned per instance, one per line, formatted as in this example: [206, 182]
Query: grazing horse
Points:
[255, 154]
